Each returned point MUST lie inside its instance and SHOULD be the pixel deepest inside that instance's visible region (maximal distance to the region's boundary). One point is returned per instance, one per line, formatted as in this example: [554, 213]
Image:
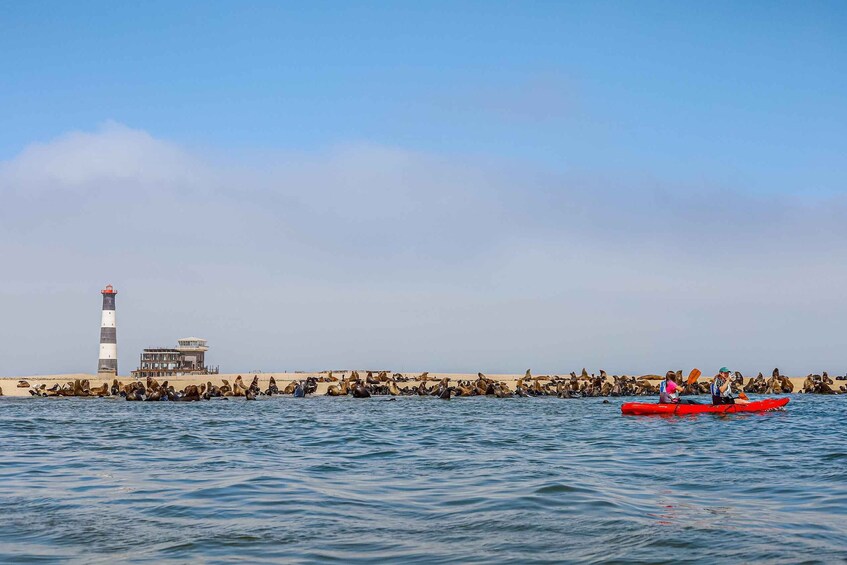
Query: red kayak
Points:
[643, 408]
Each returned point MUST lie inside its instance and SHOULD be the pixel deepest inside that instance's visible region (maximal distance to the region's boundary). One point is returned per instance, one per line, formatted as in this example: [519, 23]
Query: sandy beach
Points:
[9, 385]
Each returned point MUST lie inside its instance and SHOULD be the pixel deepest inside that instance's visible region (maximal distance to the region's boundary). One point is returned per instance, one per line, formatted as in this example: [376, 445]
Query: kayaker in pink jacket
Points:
[668, 389]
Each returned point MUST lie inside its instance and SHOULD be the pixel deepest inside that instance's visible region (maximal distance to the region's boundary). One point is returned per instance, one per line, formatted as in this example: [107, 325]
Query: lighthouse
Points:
[108, 363]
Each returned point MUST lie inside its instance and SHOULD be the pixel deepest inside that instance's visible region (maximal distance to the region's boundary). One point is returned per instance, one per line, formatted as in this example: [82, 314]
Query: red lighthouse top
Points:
[108, 290]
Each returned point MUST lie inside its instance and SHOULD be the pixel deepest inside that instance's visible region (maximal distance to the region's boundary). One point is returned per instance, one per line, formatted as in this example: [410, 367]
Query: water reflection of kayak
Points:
[643, 408]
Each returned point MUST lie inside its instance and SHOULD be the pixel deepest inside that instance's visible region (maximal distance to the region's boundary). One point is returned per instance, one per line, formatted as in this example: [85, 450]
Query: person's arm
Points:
[724, 386]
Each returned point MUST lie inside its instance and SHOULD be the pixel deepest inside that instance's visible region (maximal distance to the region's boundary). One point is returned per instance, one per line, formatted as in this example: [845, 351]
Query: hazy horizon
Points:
[633, 188]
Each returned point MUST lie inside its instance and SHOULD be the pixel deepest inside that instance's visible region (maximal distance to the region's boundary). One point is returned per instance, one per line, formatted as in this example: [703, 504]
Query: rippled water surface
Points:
[418, 480]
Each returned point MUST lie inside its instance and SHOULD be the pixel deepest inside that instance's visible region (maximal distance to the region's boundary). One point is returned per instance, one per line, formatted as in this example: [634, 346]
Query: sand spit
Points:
[21, 385]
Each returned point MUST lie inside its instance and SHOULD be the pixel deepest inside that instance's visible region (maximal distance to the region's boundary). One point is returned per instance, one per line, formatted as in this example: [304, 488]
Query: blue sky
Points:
[719, 92]
[473, 154]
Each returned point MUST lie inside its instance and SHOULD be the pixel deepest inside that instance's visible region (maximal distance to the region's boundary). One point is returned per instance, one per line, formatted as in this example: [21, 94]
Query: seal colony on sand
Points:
[385, 383]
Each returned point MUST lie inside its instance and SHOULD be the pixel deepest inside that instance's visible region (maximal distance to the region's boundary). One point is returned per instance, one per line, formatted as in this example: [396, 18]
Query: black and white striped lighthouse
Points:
[108, 363]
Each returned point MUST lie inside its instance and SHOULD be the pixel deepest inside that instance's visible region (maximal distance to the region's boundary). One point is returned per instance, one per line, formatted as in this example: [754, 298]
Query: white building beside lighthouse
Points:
[108, 363]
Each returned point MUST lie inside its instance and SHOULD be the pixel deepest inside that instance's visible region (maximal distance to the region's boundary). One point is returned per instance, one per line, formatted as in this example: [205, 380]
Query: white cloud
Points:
[368, 255]
[113, 157]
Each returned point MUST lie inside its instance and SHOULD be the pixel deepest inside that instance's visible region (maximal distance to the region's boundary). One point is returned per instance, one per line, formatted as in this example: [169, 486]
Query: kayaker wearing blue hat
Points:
[722, 389]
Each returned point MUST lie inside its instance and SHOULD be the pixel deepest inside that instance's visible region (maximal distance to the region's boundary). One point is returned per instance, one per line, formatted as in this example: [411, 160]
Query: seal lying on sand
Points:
[342, 390]
[101, 391]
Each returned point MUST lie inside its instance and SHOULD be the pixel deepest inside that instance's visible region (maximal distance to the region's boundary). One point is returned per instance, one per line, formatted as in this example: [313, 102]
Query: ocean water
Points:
[476, 480]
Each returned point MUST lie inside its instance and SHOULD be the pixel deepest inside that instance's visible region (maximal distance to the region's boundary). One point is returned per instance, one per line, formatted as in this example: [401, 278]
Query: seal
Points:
[154, 395]
[191, 393]
[79, 389]
[254, 386]
[152, 384]
[272, 388]
[135, 392]
[361, 391]
[238, 388]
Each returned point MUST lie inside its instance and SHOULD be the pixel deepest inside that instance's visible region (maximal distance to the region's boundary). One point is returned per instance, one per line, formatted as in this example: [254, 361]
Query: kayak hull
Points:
[644, 408]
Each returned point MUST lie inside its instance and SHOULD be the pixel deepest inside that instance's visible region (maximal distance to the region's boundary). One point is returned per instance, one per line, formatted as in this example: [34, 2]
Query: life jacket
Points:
[716, 388]
[664, 396]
